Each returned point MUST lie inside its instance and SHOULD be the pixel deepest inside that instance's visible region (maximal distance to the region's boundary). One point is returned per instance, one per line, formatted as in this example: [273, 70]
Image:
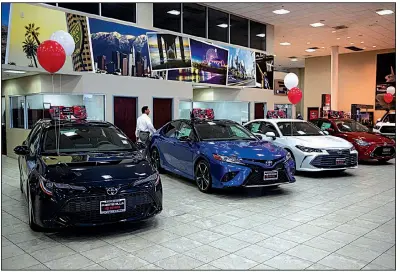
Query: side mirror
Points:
[379, 119]
[271, 134]
[21, 150]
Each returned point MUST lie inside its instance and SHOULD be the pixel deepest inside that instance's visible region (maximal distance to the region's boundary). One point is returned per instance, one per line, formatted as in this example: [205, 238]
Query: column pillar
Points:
[144, 14]
[334, 77]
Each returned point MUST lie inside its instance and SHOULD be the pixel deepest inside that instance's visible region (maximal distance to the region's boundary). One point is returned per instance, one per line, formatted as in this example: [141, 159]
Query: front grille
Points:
[388, 129]
[87, 209]
[378, 152]
[329, 161]
[256, 177]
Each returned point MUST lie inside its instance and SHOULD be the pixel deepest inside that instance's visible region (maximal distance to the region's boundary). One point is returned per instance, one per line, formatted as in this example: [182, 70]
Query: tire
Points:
[32, 223]
[155, 159]
[294, 160]
[202, 176]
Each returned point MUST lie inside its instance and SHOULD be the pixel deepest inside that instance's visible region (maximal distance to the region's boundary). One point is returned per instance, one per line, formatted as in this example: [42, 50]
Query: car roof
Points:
[276, 120]
[204, 121]
[51, 123]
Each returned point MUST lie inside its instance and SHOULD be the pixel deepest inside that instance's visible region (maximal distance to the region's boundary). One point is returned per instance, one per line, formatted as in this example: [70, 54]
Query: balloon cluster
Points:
[291, 81]
[53, 53]
[388, 97]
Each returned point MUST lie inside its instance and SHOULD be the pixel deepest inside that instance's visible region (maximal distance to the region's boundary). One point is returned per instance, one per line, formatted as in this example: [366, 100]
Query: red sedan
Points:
[370, 146]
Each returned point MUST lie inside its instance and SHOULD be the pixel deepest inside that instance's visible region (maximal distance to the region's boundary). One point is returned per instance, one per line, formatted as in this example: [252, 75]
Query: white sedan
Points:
[311, 149]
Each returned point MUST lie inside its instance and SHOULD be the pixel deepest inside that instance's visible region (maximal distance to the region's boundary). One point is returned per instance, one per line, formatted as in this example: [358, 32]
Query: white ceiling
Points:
[364, 25]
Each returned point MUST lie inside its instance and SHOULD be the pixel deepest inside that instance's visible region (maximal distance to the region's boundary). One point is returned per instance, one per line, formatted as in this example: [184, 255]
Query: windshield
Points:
[84, 138]
[388, 129]
[299, 129]
[350, 126]
[390, 118]
[217, 131]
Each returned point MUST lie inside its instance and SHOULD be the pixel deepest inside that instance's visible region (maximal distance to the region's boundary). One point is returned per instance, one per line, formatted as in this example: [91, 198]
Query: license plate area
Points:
[340, 161]
[112, 206]
[386, 150]
[270, 175]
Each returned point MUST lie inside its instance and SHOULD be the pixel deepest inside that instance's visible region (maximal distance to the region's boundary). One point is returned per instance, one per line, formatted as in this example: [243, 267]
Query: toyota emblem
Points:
[340, 152]
[112, 191]
[268, 163]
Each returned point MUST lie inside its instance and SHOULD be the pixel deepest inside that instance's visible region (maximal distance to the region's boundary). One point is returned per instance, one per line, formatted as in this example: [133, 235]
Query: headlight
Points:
[48, 186]
[362, 142]
[152, 178]
[309, 149]
[230, 159]
[352, 148]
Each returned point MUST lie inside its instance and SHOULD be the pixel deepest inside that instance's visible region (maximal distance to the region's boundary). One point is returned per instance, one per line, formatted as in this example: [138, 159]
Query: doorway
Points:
[162, 111]
[259, 110]
[125, 115]
[312, 113]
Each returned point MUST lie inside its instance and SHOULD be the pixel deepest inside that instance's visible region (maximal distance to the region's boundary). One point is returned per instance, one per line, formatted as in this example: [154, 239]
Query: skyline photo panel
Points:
[168, 51]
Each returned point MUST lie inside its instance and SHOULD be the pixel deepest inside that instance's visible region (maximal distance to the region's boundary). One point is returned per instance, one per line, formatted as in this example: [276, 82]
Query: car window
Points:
[299, 129]
[254, 127]
[171, 129]
[240, 133]
[81, 138]
[325, 125]
[185, 131]
[268, 127]
[390, 118]
[220, 131]
[32, 135]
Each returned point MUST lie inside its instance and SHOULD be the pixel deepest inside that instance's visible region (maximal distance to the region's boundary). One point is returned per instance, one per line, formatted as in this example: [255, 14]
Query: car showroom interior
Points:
[198, 136]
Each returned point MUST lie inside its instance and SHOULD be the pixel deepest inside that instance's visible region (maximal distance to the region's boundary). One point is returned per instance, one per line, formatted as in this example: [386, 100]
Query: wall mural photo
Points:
[168, 51]
[385, 78]
[241, 67]
[264, 70]
[5, 17]
[119, 49]
[209, 65]
[30, 27]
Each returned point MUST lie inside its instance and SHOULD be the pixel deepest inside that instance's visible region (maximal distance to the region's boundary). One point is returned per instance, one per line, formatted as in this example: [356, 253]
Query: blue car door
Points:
[185, 148]
[167, 144]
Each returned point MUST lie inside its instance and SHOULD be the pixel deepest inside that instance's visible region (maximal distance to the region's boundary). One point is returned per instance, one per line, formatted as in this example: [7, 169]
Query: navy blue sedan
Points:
[219, 154]
[80, 173]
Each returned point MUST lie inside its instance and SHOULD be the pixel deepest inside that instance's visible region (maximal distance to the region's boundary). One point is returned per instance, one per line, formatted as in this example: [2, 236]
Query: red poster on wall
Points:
[326, 102]
[313, 114]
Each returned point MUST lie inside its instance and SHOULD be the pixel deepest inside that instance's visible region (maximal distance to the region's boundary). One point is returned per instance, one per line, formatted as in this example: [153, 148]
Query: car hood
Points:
[325, 142]
[257, 150]
[367, 136]
[73, 168]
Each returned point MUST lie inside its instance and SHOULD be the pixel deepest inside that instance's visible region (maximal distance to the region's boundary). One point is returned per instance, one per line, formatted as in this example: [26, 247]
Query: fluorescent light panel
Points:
[174, 12]
[310, 50]
[14, 72]
[317, 24]
[384, 11]
[261, 35]
[285, 43]
[293, 59]
[223, 25]
[281, 11]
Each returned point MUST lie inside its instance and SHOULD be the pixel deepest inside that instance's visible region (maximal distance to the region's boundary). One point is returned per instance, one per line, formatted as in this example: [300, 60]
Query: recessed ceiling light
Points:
[323, 47]
[293, 59]
[261, 35]
[362, 42]
[384, 11]
[364, 48]
[14, 72]
[351, 43]
[333, 31]
[310, 50]
[337, 38]
[285, 43]
[223, 25]
[348, 37]
[281, 11]
[374, 46]
[317, 24]
[174, 12]
[308, 42]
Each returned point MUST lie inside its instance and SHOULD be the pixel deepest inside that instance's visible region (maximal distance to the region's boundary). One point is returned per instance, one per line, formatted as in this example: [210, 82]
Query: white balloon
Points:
[391, 90]
[291, 80]
[66, 41]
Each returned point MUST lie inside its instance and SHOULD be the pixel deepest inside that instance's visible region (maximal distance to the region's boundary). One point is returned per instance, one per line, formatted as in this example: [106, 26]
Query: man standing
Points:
[144, 127]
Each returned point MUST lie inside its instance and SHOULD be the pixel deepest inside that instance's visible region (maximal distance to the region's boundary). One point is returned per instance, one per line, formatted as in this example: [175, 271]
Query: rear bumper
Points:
[84, 211]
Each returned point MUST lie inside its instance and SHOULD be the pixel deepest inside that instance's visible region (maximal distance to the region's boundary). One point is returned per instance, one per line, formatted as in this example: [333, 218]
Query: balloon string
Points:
[55, 128]
[59, 126]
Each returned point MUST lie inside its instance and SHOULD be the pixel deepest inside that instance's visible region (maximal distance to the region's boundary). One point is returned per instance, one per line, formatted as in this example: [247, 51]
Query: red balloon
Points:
[295, 95]
[51, 56]
[388, 97]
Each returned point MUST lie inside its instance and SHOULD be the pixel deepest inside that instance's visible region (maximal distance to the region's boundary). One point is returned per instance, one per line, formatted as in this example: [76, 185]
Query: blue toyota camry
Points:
[219, 154]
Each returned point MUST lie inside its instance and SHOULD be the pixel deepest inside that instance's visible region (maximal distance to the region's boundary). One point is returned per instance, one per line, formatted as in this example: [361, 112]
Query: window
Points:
[92, 8]
[254, 127]
[120, 11]
[239, 31]
[222, 131]
[186, 131]
[325, 125]
[194, 20]
[167, 16]
[17, 111]
[268, 127]
[299, 129]
[257, 35]
[171, 128]
[34, 105]
[218, 25]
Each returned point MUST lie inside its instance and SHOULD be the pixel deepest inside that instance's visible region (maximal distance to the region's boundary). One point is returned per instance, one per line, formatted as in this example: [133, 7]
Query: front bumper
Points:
[328, 160]
[84, 210]
[251, 174]
[375, 152]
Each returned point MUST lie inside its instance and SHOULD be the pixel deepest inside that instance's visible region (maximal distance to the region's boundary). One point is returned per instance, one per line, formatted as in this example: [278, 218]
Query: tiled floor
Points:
[319, 223]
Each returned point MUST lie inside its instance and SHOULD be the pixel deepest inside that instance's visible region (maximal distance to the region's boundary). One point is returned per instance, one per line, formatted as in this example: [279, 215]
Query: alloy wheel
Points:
[202, 175]
[155, 159]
